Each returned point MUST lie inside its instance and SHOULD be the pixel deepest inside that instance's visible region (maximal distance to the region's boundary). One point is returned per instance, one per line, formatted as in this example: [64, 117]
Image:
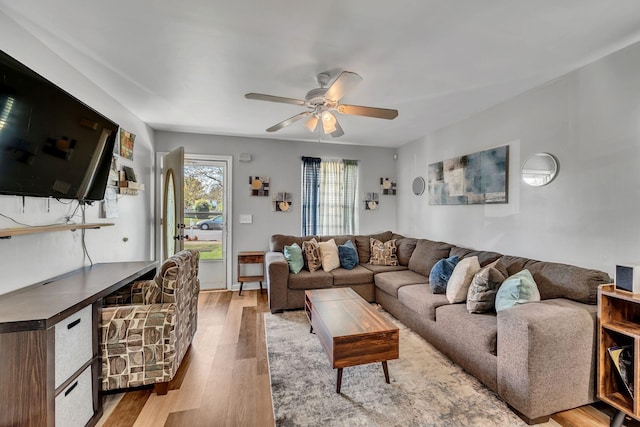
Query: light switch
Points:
[246, 218]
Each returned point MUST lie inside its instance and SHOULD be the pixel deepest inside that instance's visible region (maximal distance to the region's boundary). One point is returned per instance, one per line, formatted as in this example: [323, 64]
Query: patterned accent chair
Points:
[147, 327]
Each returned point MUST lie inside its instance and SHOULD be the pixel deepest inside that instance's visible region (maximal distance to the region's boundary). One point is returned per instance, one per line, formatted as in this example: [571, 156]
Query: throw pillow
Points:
[348, 255]
[329, 254]
[461, 278]
[517, 290]
[313, 260]
[440, 274]
[293, 255]
[481, 297]
[383, 253]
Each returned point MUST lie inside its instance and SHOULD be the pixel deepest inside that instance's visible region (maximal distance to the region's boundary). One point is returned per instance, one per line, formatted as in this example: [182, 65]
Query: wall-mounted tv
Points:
[51, 144]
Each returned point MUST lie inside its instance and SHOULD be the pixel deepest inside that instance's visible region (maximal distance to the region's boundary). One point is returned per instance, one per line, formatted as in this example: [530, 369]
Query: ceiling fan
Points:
[322, 102]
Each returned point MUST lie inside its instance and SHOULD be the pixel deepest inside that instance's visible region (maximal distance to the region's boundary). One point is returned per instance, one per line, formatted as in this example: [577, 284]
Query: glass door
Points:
[205, 216]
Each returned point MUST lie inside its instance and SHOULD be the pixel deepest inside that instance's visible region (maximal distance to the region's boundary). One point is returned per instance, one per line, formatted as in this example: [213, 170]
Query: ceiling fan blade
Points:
[344, 83]
[288, 121]
[338, 132]
[271, 98]
[357, 110]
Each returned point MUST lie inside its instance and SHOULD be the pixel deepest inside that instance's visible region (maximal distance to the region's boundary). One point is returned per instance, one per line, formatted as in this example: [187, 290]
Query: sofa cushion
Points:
[279, 241]
[312, 257]
[363, 244]
[440, 274]
[404, 248]
[348, 255]
[356, 276]
[310, 280]
[469, 333]
[293, 255]
[461, 278]
[420, 299]
[329, 254]
[481, 297]
[383, 253]
[426, 254]
[517, 290]
[391, 281]
[340, 239]
[484, 257]
[376, 269]
[557, 280]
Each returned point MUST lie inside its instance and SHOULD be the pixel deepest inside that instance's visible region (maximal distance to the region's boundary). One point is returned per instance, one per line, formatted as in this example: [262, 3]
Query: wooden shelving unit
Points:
[618, 325]
[7, 233]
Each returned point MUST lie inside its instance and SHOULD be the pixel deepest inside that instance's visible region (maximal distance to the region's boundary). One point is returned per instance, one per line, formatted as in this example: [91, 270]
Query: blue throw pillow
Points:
[348, 255]
[440, 274]
[293, 255]
[517, 290]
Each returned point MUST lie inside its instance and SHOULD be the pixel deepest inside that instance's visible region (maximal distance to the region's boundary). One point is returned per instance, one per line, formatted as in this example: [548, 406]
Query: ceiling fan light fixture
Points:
[328, 122]
[311, 123]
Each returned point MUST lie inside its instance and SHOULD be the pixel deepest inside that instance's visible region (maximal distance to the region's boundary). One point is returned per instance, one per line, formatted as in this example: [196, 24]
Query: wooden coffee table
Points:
[350, 330]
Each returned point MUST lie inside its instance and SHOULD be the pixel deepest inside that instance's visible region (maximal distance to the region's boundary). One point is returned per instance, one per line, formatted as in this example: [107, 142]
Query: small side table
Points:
[250, 257]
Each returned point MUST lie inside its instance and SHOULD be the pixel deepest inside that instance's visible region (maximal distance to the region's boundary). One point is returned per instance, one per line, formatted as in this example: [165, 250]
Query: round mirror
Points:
[418, 185]
[539, 169]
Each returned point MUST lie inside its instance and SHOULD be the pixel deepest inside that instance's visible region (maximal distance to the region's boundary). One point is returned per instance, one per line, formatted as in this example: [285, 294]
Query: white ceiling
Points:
[186, 65]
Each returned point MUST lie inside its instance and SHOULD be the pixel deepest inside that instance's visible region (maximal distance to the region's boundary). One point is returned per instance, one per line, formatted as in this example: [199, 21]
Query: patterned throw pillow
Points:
[383, 253]
[482, 292]
[313, 260]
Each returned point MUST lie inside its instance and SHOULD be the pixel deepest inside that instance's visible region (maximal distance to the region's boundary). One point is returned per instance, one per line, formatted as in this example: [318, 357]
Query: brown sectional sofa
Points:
[538, 357]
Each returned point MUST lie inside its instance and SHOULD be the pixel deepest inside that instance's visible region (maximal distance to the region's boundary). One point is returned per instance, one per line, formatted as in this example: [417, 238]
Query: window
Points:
[329, 189]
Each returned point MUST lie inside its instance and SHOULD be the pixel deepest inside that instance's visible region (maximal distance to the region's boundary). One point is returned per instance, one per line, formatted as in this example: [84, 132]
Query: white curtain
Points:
[337, 196]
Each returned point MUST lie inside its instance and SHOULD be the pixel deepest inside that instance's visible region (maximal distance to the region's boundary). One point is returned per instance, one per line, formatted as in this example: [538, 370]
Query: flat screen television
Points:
[51, 144]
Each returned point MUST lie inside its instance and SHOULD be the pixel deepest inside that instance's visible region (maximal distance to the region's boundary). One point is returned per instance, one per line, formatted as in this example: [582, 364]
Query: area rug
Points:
[426, 388]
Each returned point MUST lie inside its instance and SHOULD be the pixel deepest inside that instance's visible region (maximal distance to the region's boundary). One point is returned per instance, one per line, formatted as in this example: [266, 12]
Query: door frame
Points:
[228, 206]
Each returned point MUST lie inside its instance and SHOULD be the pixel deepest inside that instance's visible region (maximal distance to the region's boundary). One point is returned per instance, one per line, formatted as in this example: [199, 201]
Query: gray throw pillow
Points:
[481, 297]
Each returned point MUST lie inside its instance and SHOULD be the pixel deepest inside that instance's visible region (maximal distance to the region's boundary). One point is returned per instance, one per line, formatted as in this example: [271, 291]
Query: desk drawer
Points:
[74, 404]
[74, 344]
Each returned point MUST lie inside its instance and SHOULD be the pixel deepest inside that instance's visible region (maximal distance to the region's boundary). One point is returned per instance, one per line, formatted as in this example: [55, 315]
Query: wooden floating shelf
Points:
[7, 233]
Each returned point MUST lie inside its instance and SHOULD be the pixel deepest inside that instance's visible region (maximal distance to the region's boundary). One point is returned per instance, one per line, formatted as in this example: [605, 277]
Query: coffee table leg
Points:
[386, 372]
[339, 380]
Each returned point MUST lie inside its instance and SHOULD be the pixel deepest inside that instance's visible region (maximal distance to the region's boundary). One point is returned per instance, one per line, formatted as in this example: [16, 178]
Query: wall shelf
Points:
[7, 233]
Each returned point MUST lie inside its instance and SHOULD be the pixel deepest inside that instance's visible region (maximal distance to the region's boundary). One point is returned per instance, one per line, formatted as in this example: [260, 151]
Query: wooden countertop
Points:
[41, 305]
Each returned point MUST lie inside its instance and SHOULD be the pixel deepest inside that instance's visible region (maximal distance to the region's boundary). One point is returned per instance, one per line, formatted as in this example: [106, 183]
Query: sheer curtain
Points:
[334, 200]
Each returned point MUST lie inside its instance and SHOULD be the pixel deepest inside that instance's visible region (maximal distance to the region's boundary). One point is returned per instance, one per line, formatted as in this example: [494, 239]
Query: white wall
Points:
[281, 161]
[33, 258]
[590, 120]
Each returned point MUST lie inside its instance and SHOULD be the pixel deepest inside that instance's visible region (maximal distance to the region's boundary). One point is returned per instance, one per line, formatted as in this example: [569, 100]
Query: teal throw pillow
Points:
[293, 255]
[517, 290]
[440, 274]
[348, 255]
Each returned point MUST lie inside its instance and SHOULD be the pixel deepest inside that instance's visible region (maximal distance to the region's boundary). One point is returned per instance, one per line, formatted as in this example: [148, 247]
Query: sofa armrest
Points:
[546, 356]
[277, 280]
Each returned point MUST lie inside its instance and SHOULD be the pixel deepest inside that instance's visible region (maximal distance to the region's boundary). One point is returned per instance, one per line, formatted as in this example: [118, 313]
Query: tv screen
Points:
[51, 144]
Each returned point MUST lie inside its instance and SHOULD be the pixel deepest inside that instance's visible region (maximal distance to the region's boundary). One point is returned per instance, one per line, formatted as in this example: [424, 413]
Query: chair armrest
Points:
[546, 356]
[277, 280]
[137, 344]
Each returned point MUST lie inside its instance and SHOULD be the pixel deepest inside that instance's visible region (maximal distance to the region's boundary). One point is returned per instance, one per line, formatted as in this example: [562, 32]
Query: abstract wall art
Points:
[478, 178]
[282, 202]
[258, 186]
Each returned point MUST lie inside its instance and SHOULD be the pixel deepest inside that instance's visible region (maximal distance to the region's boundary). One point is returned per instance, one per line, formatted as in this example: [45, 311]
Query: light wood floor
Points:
[224, 378]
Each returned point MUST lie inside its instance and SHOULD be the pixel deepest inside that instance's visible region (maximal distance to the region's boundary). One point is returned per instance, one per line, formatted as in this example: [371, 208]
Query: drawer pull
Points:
[70, 389]
[74, 323]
